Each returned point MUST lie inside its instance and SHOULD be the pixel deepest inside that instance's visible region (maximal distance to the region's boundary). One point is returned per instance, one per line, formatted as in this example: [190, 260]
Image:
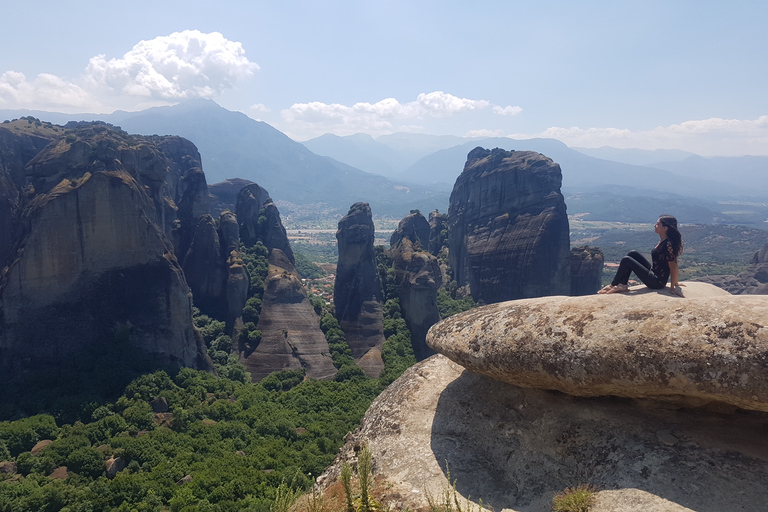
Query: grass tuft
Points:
[574, 499]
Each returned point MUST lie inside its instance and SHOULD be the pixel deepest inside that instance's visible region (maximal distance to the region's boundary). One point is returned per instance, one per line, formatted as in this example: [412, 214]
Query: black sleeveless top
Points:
[661, 255]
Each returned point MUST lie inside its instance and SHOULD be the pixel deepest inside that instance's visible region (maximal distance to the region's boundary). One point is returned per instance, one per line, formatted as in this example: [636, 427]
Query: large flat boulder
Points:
[707, 347]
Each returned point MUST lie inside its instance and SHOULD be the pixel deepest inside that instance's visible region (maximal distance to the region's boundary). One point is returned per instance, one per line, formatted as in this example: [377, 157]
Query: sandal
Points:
[606, 289]
[619, 288]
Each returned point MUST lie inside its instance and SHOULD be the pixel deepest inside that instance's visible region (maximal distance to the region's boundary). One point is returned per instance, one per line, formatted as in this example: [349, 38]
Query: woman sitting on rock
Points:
[664, 257]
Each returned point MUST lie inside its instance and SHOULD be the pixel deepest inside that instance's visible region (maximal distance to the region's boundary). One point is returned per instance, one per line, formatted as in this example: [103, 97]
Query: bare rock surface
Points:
[515, 448]
[291, 335]
[643, 344]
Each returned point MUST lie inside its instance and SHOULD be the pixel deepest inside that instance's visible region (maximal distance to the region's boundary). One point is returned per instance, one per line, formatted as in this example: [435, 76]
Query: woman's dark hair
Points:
[669, 222]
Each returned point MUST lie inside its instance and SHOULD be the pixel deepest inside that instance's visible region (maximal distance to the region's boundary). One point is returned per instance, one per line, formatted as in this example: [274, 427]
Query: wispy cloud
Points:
[384, 116]
[509, 110]
[183, 65]
[260, 107]
[708, 137]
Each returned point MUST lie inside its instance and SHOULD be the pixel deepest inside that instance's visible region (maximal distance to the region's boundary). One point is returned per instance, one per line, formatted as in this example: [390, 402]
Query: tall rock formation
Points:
[357, 290]
[509, 235]
[291, 335]
[91, 258]
[214, 270]
[417, 278]
[586, 270]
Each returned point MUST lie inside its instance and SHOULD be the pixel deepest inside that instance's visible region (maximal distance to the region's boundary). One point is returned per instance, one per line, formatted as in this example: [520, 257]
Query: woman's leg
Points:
[635, 262]
[640, 259]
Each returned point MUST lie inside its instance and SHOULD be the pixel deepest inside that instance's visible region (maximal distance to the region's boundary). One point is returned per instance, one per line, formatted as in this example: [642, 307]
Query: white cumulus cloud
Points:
[385, 116]
[188, 64]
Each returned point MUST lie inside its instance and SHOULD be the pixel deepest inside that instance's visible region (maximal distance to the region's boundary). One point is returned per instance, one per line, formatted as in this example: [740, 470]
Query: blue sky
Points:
[689, 75]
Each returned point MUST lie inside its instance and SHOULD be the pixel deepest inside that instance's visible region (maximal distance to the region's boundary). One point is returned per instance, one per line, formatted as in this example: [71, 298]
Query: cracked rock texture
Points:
[515, 448]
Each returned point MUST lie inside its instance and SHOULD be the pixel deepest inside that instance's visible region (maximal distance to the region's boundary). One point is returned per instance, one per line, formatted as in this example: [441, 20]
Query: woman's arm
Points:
[673, 277]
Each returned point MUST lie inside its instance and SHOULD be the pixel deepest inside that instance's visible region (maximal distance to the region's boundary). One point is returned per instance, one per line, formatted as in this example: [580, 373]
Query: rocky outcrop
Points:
[509, 235]
[229, 232]
[223, 195]
[586, 270]
[214, 270]
[259, 220]
[417, 278]
[357, 290]
[709, 347]
[92, 258]
[438, 226]
[753, 281]
[415, 228]
[291, 335]
[515, 448]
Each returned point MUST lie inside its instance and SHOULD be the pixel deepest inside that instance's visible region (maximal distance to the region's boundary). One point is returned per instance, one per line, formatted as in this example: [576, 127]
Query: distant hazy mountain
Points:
[414, 146]
[751, 171]
[388, 155]
[360, 151]
[636, 156]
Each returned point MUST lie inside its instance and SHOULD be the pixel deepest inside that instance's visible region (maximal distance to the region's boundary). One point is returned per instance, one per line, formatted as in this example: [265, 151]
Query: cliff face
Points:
[509, 235]
[91, 251]
[291, 335]
[417, 278]
[357, 290]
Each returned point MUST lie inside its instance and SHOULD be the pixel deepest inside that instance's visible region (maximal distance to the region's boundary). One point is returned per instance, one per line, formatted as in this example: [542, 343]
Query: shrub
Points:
[574, 499]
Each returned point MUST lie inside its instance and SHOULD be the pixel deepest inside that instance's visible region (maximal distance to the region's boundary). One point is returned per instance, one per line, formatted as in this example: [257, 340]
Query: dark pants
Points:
[635, 262]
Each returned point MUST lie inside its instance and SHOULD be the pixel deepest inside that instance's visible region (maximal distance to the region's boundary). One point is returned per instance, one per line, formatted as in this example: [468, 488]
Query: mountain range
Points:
[396, 173]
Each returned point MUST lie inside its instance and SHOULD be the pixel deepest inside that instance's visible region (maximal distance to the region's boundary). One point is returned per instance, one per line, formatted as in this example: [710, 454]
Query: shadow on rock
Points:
[515, 448]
